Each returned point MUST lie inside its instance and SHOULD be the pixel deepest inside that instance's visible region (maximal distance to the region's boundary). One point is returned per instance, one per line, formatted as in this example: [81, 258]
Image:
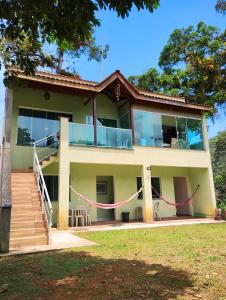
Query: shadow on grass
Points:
[79, 275]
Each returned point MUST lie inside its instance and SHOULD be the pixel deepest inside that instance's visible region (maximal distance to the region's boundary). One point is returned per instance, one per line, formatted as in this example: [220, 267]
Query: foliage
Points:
[75, 49]
[193, 66]
[218, 153]
[39, 20]
[221, 6]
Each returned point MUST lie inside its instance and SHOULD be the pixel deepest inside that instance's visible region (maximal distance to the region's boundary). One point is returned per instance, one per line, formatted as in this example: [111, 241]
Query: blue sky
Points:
[136, 42]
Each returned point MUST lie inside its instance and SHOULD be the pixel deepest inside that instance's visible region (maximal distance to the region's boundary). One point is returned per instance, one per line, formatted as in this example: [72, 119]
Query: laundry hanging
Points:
[103, 205]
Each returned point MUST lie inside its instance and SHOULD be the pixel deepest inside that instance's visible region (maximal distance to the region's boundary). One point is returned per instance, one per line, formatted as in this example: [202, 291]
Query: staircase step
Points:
[28, 232]
[28, 217]
[26, 210]
[26, 201]
[27, 224]
[28, 241]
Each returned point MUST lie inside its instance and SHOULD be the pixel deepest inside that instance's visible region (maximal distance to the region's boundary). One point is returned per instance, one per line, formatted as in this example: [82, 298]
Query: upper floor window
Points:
[34, 125]
[102, 122]
[154, 129]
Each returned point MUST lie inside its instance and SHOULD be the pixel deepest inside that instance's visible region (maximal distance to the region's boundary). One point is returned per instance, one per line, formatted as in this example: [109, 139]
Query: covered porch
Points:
[111, 184]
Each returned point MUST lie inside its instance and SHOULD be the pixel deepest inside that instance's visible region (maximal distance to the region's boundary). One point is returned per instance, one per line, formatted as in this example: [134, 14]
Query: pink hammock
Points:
[103, 205]
[185, 202]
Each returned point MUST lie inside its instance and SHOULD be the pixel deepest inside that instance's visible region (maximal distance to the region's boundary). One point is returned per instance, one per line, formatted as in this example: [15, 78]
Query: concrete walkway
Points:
[137, 225]
[60, 239]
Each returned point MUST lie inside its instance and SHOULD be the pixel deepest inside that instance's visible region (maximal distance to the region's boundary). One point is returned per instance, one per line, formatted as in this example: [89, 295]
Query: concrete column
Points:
[205, 132]
[64, 176]
[147, 194]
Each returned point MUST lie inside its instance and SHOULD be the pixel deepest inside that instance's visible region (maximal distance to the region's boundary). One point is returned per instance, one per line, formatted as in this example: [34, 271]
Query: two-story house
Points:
[106, 140]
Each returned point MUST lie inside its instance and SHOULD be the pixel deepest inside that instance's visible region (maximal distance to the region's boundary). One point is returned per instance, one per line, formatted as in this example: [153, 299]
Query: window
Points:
[139, 186]
[169, 130]
[194, 134]
[156, 190]
[159, 130]
[101, 187]
[34, 125]
[125, 121]
[143, 128]
[52, 187]
[102, 122]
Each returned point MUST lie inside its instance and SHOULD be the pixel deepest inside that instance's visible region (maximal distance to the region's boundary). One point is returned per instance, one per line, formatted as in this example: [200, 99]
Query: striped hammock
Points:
[103, 205]
[182, 203]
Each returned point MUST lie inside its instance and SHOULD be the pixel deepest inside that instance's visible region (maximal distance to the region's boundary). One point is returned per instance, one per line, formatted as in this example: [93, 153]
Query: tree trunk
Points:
[60, 58]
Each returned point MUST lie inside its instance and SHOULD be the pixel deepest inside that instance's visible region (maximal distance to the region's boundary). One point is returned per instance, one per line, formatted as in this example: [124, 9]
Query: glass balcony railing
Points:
[114, 137]
[81, 134]
[107, 137]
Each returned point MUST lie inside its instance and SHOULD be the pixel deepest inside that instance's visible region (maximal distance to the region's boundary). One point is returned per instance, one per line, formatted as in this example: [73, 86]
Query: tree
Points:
[221, 6]
[218, 154]
[193, 66]
[40, 20]
[74, 50]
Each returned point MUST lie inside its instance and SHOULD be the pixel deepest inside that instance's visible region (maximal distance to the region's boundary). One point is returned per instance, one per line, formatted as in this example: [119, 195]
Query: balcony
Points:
[106, 137]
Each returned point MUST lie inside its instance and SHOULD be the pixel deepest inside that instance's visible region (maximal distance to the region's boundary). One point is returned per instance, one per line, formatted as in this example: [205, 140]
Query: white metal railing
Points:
[46, 146]
[51, 143]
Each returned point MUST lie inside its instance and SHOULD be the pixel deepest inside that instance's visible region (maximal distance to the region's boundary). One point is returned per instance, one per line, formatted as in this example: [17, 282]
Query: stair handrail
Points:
[45, 199]
[54, 143]
[46, 204]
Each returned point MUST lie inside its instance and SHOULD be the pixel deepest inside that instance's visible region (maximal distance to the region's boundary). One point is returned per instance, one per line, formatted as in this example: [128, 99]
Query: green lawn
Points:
[186, 262]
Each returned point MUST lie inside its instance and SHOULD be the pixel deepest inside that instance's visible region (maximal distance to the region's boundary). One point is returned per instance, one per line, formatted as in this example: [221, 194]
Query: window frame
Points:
[160, 188]
[140, 196]
[36, 109]
[176, 116]
[104, 183]
[52, 175]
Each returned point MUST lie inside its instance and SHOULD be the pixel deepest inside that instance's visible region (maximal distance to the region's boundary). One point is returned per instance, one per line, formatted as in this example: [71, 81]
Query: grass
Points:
[184, 262]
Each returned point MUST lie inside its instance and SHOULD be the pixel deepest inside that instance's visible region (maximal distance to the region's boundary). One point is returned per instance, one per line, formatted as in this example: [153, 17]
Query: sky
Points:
[136, 42]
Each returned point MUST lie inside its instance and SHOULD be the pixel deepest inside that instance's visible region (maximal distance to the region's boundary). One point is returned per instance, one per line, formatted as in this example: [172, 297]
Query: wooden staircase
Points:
[28, 226]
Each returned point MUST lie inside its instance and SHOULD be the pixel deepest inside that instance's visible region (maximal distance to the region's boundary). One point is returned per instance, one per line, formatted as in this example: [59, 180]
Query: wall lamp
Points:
[47, 96]
[148, 168]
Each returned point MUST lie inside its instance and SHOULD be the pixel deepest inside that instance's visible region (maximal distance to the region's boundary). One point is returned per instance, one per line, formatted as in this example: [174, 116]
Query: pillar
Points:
[64, 176]
[147, 194]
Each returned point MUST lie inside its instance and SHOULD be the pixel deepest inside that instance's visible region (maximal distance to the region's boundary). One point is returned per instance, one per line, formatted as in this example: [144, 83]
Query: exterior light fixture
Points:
[47, 96]
[149, 168]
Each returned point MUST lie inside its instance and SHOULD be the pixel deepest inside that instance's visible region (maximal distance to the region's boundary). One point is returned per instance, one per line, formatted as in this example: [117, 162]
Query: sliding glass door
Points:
[160, 130]
[33, 125]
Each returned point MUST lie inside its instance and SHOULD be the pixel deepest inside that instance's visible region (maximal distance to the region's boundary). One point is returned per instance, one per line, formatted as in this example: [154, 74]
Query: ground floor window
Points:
[156, 190]
[33, 125]
[101, 187]
[52, 186]
[139, 186]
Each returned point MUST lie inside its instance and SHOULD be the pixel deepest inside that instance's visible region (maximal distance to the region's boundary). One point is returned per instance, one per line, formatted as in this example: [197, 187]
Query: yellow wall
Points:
[83, 179]
[124, 165]
[34, 98]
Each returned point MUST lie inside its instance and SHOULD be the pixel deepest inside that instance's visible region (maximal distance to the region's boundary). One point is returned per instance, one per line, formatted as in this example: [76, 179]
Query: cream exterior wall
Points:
[22, 156]
[83, 164]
